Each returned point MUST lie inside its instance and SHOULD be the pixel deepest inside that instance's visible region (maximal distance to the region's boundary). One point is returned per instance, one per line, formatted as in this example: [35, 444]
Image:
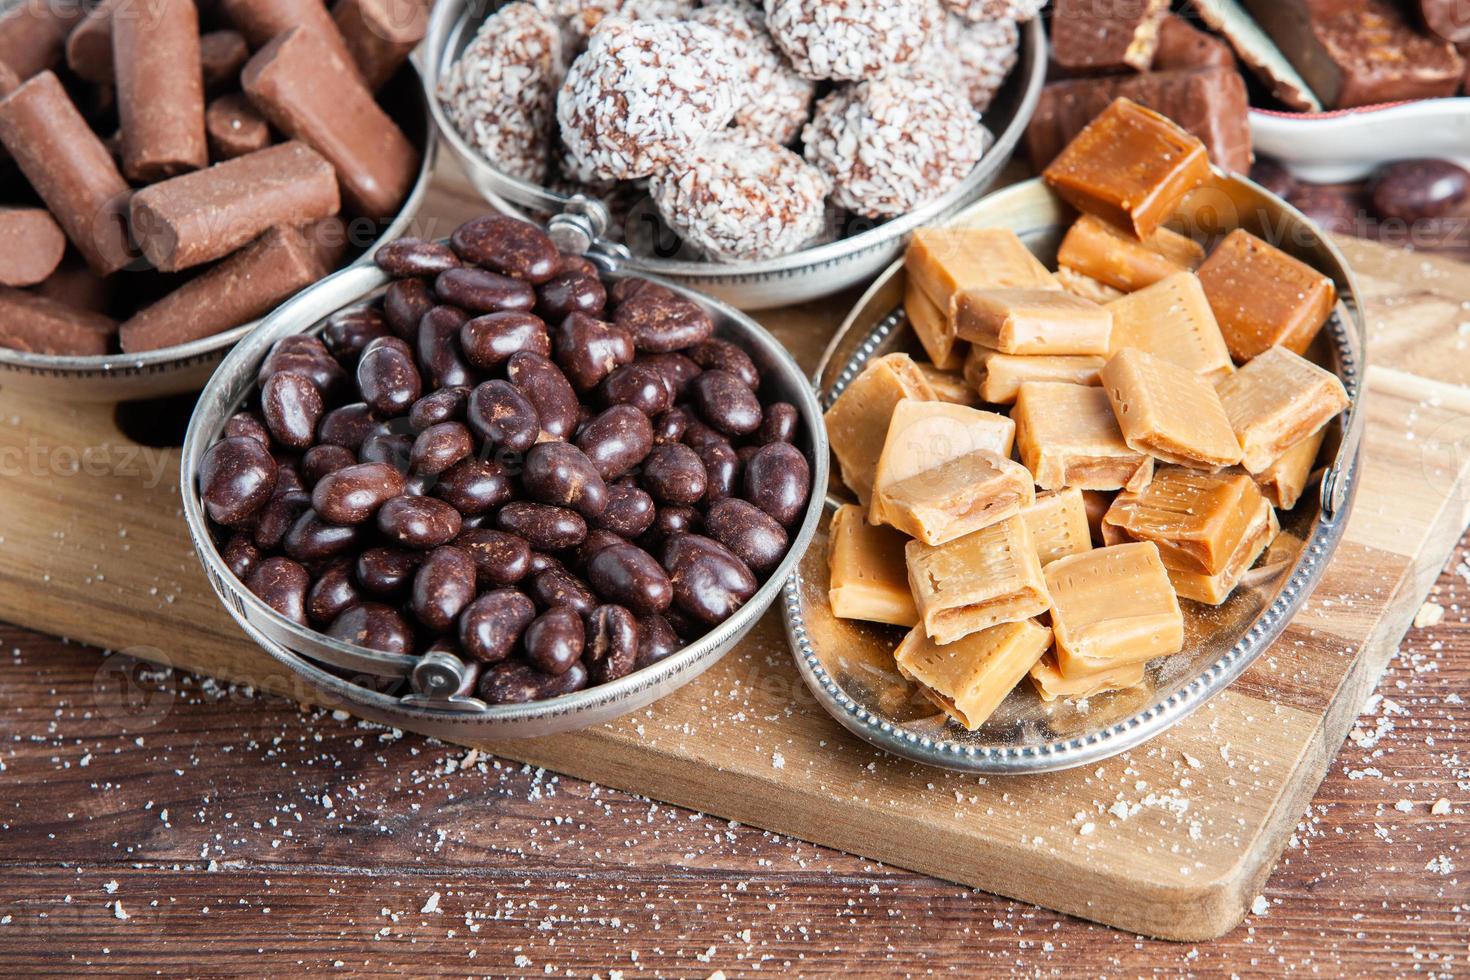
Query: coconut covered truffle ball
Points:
[739, 198]
[974, 58]
[892, 144]
[501, 94]
[849, 40]
[643, 94]
[579, 18]
[992, 10]
[776, 101]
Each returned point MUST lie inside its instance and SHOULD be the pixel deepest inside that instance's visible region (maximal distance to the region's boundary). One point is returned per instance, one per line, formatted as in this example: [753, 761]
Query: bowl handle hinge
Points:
[581, 229]
[442, 680]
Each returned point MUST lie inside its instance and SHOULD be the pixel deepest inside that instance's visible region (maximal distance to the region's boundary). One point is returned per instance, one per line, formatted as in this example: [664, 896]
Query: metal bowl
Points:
[849, 665]
[186, 367]
[429, 693]
[805, 275]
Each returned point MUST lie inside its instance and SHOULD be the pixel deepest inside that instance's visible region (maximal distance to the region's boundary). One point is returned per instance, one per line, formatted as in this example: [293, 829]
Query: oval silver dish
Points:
[848, 665]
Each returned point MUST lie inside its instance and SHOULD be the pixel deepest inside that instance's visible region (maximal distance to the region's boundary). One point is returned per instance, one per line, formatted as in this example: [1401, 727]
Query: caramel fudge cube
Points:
[1130, 166]
[1263, 297]
[946, 261]
[868, 579]
[1111, 607]
[1283, 481]
[1122, 261]
[950, 386]
[1058, 525]
[1068, 437]
[1276, 401]
[998, 377]
[1047, 678]
[1172, 319]
[1033, 321]
[1168, 411]
[857, 422]
[1196, 519]
[1215, 589]
[1082, 285]
[975, 582]
[956, 498]
[925, 434]
[969, 678]
[933, 328]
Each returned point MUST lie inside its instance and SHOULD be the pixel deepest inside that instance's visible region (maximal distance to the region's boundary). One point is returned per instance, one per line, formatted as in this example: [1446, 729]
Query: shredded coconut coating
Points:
[739, 198]
[982, 10]
[776, 101]
[851, 40]
[892, 144]
[501, 94]
[579, 18]
[643, 94]
[973, 59]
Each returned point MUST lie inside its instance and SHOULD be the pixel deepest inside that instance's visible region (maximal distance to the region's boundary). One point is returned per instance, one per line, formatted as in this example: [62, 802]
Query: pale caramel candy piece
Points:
[1130, 166]
[933, 328]
[1172, 319]
[969, 678]
[944, 262]
[857, 422]
[956, 498]
[998, 377]
[1215, 589]
[868, 579]
[1118, 259]
[978, 581]
[1097, 503]
[950, 386]
[1263, 297]
[1058, 525]
[1197, 519]
[1083, 285]
[1168, 411]
[1276, 401]
[1112, 606]
[1068, 437]
[1047, 678]
[1284, 480]
[1033, 321]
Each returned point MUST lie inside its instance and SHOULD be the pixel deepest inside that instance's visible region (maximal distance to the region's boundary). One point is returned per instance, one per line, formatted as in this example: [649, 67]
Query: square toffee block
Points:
[1068, 437]
[1033, 321]
[944, 262]
[933, 327]
[1083, 285]
[857, 422]
[1113, 606]
[1263, 297]
[1172, 319]
[868, 579]
[1284, 480]
[1058, 525]
[1130, 166]
[1215, 589]
[1198, 520]
[977, 581]
[1276, 401]
[1118, 259]
[949, 386]
[1168, 411]
[957, 497]
[998, 377]
[969, 678]
[1047, 678]
[923, 435]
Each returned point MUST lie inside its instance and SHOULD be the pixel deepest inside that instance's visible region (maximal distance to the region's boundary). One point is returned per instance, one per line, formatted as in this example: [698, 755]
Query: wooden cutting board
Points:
[1173, 839]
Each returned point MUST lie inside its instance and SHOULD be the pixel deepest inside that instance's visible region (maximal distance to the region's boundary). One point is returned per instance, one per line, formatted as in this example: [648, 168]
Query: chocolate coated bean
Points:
[555, 586]
[661, 321]
[698, 436]
[443, 586]
[292, 407]
[612, 643]
[561, 474]
[404, 304]
[326, 458]
[554, 640]
[657, 641]
[499, 414]
[491, 626]
[236, 478]
[677, 370]
[491, 339]
[579, 264]
[438, 351]
[570, 292]
[726, 403]
[616, 440]
[597, 539]
[548, 391]
[439, 447]
[306, 356]
[353, 494]
[519, 683]
[281, 584]
[673, 519]
[387, 571]
[240, 555]
[500, 559]
[640, 385]
[779, 481]
[348, 331]
[278, 515]
[347, 426]
[418, 522]
[333, 592]
[408, 257]
[629, 511]
[779, 423]
[670, 426]
[588, 349]
[626, 575]
[387, 446]
[545, 527]
[750, 533]
[473, 486]
[444, 405]
[387, 377]
[373, 626]
[718, 354]
[312, 539]
[249, 425]
[709, 582]
[722, 472]
[674, 474]
[1417, 190]
[481, 291]
[508, 245]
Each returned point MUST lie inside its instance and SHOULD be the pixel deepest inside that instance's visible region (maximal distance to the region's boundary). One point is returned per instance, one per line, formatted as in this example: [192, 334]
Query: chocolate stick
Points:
[380, 34]
[89, 46]
[160, 89]
[43, 326]
[31, 246]
[262, 20]
[33, 35]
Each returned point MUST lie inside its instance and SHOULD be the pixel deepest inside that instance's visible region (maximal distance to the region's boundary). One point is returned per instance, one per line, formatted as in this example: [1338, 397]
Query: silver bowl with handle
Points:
[186, 367]
[433, 694]
[768, 283]
[848, 665]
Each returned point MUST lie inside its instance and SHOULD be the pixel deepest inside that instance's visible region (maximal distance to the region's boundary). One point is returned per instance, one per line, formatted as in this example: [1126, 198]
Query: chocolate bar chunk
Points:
[1182, 45]
[1092, 36]
[33, 35]
[44, 326]
[1450, 19]
[1364, 55]
[1259, 52]
[1207, 102]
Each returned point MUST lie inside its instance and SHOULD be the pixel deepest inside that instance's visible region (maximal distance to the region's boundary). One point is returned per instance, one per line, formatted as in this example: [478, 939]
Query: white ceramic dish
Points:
[1332, 147]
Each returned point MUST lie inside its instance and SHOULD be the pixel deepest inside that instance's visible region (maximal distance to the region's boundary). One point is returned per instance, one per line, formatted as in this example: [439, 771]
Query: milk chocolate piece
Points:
[1047, 678]
[9, 82]
[1068, 437]
[1113, 256]
[867, 577]
[248, 284]
[1365, 54]
[944, 262]
[1169, 411]
[380, 34]
[1111, 607]
[1259, 52]
[968, 679]
[221, 56]
[1115, 36]
[949, 386]
[234, 127]
[31, 246]
[70, 168]
[1182, 45]
[924, 434]
[1173, 320]
[1449, 19]
[1058, 525]
[89, 45]
[933, 327]
[309, 93]
[1196, 519]
[1130, 166]
[1261, 296]
[1276, 401]
[199, 217]
[263, 20]
[1083, 285]
[857, 422]
[977, 581]
[43, 326]
[1032, 321]
[1284, 480]
[160, 91]
[75, 285]
[1208, 102]
[1215, 589]
[998, 377]
[33, 34]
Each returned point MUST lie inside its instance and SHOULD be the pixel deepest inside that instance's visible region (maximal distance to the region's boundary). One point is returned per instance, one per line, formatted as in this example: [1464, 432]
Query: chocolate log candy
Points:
[9, 80]
[77, 286]
[33, 35]
[380, 34]
[70, 168]
[31, 246]
[1116, 36]
[1208, 102]
[89, 45]
[43, 326]
[160, 90]
[234, 127]
[221, 56]
[262, 20]
[246, 285]
[1182, 45]
[309, 93]
[206, 215]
